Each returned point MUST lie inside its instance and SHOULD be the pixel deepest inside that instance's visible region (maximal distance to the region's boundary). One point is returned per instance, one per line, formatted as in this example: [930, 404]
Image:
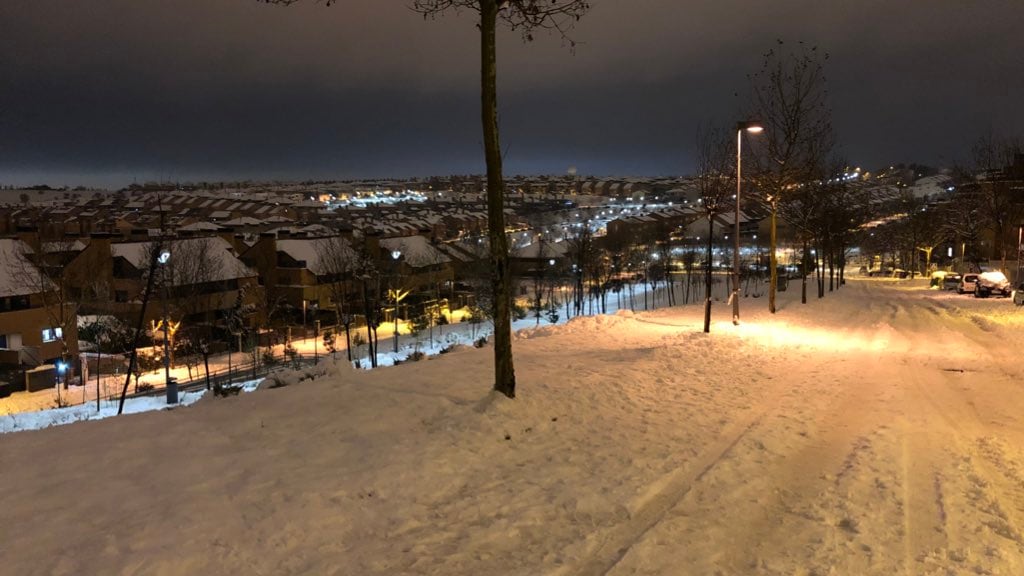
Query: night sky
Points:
[104, 92]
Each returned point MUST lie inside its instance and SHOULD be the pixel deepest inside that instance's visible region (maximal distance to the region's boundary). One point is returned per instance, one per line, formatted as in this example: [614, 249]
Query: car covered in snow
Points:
[991, 283]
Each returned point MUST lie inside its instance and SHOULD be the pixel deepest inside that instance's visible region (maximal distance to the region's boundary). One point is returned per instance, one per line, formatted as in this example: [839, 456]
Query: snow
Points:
[13, 268]
[416, 250]
[224, 264]
[24, 421]
[876, 431]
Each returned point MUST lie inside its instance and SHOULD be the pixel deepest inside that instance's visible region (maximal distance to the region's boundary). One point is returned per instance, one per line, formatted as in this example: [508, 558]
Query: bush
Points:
[144, 387]
[268, 358]
[417, 356]
[480, 342]
[224, 391]
[61, 401]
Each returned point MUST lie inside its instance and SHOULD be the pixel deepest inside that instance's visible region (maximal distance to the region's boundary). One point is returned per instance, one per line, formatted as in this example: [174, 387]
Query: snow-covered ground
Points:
[876, 431]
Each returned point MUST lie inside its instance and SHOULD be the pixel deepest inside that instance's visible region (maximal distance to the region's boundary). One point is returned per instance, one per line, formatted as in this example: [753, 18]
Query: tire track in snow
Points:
[620, 539]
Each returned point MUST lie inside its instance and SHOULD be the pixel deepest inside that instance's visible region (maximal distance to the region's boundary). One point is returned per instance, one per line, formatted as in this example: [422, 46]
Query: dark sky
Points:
[104, 92]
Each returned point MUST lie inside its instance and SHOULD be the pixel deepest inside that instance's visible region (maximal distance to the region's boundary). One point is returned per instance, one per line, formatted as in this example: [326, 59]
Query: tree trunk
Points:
[803, 278]
[206, 366]
[707, 277]
[772, 259]
[504, 374]
[133, 359]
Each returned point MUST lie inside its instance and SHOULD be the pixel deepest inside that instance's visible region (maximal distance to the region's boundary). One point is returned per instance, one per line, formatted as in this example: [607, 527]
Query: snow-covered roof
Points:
[200, 226]
[76, 246]
[243, 221]
[225, 265]
[309, 250]
[16, 269]
[537, 250]
[416, 250]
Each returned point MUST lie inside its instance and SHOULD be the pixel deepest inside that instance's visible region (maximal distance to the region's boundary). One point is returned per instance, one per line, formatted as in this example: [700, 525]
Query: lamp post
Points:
[741, 127]
[171, 386]
[316, 336]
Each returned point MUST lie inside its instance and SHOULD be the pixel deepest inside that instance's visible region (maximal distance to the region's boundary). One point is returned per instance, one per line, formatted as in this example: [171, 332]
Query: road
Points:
[902, 454]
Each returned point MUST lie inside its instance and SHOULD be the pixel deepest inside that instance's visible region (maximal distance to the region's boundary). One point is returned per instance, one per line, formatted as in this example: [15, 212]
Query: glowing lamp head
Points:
[396, 254]
[750, 126]
[164, 257]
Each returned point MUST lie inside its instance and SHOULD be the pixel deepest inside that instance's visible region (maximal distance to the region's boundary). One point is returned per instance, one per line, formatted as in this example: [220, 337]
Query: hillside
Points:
[877, 431]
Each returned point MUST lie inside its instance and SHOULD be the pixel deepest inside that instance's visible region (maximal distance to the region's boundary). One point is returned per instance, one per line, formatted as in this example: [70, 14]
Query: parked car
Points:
[966, 285]
[1018, 295]
[951, 281]
[991, 283]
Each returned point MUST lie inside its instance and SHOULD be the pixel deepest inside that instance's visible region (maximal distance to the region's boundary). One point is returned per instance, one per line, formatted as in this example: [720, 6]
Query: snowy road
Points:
[876, 431]
[905, 446]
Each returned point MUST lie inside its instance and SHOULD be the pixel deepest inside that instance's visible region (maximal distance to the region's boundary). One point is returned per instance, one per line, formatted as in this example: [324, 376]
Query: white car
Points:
[991, 284]
[967, 282]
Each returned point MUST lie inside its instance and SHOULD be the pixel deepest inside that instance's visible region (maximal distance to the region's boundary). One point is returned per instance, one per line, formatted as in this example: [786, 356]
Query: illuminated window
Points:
[51, 334]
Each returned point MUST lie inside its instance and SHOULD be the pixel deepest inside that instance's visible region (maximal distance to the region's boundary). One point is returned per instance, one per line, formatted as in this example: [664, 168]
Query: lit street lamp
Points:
[741, 127]
[316, 336]
[171, 385]
[397, 295]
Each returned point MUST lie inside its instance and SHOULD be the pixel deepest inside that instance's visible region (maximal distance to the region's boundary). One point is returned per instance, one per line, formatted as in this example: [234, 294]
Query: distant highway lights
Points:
[751, 127]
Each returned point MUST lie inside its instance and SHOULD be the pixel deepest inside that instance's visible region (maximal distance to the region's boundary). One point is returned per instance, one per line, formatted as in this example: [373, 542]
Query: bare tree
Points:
[716, 184]
[997, 199]
[583, 254]
[790, 100]
[41, 266]
[524, 16]
[337, 265]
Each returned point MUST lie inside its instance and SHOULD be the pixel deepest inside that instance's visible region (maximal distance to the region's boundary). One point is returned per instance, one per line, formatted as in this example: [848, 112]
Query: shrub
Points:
[268, 358]
[480, 342]
[417, 356]
[144, 387]
[224, 391]
[61, 401]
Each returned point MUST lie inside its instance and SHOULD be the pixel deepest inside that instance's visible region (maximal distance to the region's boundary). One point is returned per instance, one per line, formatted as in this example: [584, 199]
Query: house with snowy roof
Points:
[204, 279]
[33, 335]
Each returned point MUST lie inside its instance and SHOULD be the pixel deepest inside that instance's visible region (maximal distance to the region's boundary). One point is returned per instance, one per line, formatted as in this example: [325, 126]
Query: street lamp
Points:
[752, 127]
[316, 336]
[397, 295]
[171, 386]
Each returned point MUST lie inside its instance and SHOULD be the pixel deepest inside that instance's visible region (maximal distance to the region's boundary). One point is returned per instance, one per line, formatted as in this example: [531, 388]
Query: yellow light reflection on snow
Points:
[781, 334]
